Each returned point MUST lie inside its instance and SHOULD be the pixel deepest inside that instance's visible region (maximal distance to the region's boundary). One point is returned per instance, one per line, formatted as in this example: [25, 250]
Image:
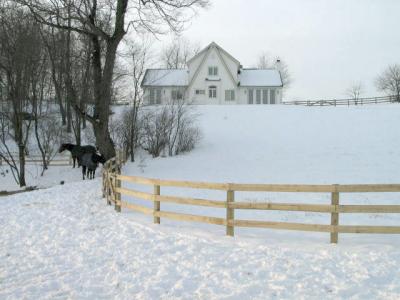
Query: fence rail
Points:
[56, 161]
[348, 102]
[113, 190]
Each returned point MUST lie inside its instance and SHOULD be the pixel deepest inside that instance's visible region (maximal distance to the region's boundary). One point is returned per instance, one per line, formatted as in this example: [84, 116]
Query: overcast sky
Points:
[327, 44]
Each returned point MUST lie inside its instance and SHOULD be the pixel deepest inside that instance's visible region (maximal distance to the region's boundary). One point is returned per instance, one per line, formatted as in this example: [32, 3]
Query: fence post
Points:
[230, 213]
[103, 181]
[117, 195]
[335, 215]
[156, 204]
[108, 187]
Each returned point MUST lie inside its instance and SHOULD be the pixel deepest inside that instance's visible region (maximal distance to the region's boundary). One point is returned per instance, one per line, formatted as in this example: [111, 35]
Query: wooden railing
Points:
[113, 190]
[348, 102]
[59, 160]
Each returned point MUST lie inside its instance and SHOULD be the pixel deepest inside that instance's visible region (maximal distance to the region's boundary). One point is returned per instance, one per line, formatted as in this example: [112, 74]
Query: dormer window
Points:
[212, 71]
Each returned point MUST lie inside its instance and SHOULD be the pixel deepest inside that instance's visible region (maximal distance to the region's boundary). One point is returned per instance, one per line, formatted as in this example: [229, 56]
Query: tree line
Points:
[59, 57]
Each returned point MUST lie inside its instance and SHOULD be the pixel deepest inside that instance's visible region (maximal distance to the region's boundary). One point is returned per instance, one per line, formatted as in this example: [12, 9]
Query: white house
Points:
[213, 77]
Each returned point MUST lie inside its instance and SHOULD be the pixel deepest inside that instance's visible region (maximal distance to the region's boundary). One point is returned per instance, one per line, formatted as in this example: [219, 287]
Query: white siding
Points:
[203, 81]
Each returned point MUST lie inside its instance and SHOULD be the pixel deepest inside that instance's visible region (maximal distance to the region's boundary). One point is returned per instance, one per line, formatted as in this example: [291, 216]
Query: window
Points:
[258, 96]
[265, 96]
[250, 96]
[212, 92]
[200, 92]
[272, 97]
[158, 96]
[212, 71]
[176, 95]
[229, 95]
[155, 96]
[152, 96]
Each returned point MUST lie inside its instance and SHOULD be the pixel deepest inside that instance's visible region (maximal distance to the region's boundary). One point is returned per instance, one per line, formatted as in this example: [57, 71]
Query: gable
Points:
[213, 56]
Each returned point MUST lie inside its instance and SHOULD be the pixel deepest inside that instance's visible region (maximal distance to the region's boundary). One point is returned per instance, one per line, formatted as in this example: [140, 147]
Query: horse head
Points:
[99, 159]
[64, 147]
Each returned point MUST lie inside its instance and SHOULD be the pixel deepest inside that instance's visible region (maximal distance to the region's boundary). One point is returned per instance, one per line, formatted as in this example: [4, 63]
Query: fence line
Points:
[56, 161]
[113, 190]
[348, 102]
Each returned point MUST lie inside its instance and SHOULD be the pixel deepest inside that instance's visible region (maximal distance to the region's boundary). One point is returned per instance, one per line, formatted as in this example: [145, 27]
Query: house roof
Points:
[257, 77]
[166, 77]
[180, 77]
[214, 44]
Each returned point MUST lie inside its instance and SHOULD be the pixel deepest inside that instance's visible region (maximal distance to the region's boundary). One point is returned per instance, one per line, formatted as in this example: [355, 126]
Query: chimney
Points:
[278, 65]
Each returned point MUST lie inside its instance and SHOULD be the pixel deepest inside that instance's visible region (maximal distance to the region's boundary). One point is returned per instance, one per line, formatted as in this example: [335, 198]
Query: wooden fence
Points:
[113, 190]
[59, 160]
[348, 102]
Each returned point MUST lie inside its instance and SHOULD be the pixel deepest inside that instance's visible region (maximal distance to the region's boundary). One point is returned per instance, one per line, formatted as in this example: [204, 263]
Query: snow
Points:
[263, 77]
[288, 144]
[53, 176]
[166, 77]
[65, 242]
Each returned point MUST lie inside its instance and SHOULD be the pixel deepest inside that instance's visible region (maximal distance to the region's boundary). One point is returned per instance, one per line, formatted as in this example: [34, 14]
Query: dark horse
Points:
[90, 161]
[77, 151]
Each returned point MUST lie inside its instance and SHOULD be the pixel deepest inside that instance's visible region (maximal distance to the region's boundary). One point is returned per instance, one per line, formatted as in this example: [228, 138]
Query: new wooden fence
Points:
[113, 190]
[348, 102]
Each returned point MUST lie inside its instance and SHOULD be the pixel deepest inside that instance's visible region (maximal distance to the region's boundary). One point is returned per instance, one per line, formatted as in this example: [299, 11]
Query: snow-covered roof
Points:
[263, 77]
[213, 44]
[166, 77]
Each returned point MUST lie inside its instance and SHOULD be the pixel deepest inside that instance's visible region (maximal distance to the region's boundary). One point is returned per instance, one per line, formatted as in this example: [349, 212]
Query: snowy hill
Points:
[287, 144]
[65, 242]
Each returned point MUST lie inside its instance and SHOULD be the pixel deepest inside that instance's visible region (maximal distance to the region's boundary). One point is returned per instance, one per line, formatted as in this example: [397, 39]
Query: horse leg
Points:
[83, 172]
[73, 160]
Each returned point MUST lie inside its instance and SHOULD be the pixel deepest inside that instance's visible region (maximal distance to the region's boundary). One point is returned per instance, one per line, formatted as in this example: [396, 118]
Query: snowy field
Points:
[66, 243]
[53, 176]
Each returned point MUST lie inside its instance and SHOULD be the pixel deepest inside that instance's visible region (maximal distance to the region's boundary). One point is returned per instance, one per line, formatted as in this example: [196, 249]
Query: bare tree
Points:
[139, 54]
[20, 62]
[354, 91]
[177, 53]
[171, 127]
[49, 135]
[265, 61]
[104, 23]
[389, 81]
[155, 125]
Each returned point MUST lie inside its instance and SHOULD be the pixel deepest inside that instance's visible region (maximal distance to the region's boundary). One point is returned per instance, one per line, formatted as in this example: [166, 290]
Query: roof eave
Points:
[267, 86]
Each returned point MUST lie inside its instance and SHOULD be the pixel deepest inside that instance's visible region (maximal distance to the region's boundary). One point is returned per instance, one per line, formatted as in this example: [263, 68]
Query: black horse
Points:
[77, 151]
[90, 161]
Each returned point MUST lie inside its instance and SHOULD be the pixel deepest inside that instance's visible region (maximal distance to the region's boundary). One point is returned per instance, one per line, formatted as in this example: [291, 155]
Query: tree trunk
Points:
[106, 146]
[69, 113]
[21, 153]
[78, 135]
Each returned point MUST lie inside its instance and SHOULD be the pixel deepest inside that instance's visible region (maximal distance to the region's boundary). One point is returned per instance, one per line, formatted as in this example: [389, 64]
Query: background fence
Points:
[348, 102]
[58, 160]
[112, 190]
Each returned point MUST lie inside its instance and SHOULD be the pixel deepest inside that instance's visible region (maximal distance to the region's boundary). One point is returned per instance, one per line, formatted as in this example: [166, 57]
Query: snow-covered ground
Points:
[65, 242]
[53, 176]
